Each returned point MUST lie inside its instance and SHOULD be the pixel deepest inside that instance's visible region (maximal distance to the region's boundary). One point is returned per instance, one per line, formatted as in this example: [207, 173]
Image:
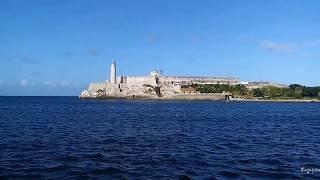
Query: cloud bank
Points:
[279, 47]
[60, 84]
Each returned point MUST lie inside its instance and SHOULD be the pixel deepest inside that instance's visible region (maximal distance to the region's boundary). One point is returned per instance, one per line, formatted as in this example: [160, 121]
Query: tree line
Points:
[293, 91]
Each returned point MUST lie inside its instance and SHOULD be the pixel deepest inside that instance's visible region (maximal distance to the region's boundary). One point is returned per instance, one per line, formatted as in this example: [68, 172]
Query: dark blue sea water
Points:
[64, 137]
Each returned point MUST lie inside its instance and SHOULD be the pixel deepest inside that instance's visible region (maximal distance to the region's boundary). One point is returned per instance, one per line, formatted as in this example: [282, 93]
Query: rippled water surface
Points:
[64, 137]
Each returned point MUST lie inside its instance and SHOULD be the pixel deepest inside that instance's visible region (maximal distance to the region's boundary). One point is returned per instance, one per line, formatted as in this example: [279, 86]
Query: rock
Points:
[108, 90]
[85, 94]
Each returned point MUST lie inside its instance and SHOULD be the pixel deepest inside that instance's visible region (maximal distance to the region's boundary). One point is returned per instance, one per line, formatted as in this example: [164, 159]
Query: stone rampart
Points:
[141, 80]
[187, 80]
[101, 85]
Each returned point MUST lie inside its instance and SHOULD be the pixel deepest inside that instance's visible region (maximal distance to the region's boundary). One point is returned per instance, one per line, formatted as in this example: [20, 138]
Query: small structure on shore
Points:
[227, 96]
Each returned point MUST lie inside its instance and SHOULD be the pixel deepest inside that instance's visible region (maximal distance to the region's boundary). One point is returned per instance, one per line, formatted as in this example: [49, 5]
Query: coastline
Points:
[201, 97]
[276, 100]
[204, 97]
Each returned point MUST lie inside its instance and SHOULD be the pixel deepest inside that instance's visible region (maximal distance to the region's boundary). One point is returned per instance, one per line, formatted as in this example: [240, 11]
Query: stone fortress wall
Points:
[127, 86]
[173, 80]
[188, 80]
[140, 80]
[153, 85]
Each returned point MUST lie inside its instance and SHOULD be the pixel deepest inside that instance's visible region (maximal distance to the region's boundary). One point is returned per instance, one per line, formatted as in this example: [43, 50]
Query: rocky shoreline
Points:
[212, 97]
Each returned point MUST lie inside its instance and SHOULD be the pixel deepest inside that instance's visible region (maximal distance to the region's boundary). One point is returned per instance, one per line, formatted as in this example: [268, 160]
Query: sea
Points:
[69, 138]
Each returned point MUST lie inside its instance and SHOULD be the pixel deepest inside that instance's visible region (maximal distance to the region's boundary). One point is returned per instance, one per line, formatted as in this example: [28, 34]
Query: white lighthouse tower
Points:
[113, 71]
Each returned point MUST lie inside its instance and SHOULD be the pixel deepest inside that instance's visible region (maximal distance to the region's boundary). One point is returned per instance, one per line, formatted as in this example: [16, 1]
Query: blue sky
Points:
[57, 47]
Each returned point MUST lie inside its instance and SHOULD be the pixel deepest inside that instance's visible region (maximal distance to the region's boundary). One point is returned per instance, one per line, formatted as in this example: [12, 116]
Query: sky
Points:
[57, 47]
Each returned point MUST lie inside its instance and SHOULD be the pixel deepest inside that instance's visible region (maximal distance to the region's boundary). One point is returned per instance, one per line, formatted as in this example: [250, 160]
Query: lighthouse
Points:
[113, 71]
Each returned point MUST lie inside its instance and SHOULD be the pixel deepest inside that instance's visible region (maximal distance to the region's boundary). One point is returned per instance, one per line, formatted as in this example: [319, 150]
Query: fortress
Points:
[153, 86]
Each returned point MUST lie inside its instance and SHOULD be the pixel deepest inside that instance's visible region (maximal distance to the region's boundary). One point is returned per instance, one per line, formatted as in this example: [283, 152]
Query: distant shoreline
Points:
[276, 100]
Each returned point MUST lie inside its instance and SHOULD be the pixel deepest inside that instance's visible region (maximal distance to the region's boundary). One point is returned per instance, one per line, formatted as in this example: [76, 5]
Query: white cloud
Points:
[59, 84]
[50, 83]
[304, 48]
[312, 43]
[24, 82]
[279, 47]
[64, 83]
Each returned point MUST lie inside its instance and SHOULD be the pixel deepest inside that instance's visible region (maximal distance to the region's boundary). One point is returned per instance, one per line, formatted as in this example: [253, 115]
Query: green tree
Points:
[257, 92]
